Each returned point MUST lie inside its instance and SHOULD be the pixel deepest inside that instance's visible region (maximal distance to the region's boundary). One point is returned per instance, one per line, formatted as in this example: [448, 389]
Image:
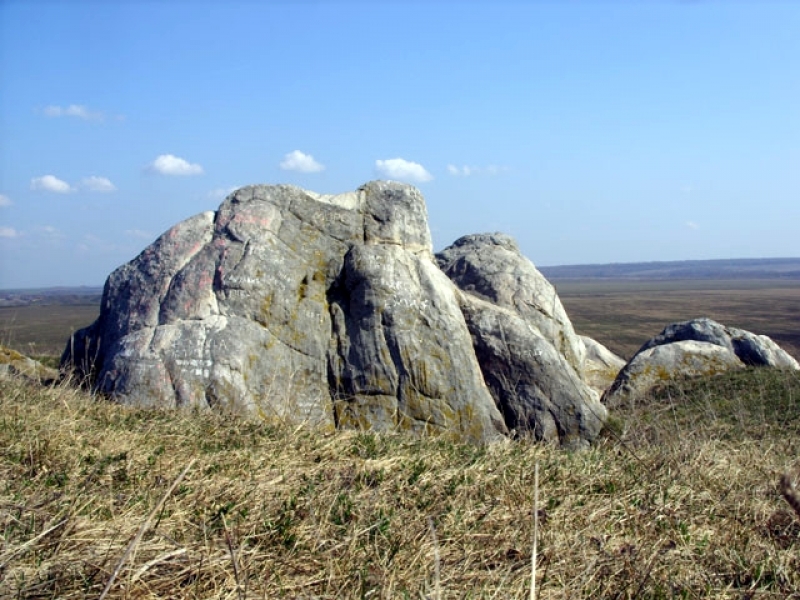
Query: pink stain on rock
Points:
[251, 219]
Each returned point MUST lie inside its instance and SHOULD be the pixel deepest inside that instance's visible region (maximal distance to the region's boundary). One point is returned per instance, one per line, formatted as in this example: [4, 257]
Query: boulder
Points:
[332, 311]
[14, 364]
[491, 267]
[530, 356]
[297, 307]
[601, 366]
[693, 348]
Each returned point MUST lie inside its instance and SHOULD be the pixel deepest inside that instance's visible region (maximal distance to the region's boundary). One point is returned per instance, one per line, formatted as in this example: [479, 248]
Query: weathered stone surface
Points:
[760, 350]
[529, 354]
[601, 366]
[298, 307]
[537, 389]
[331, 310]
[14, 364]
[749, 348]
[404, 356]
[693, 348]
[658, 365]
[490, 266]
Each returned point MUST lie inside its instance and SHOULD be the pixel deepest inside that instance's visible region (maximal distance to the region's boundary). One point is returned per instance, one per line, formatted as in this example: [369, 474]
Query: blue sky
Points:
[591, 131]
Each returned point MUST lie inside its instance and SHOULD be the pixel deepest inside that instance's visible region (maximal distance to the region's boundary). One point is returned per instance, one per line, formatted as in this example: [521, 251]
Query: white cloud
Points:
[398, 168]
[98, 184]
[168, 164]
[5, 200]
[49, 233]
[299, 161]
[692, 225]
[8, 232]
[50, 183]
[74, 110]
[464, 171]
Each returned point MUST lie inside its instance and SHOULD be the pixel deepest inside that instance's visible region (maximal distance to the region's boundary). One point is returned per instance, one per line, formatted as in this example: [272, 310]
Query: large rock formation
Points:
[694, 348]
[331, 310]
[531, 358]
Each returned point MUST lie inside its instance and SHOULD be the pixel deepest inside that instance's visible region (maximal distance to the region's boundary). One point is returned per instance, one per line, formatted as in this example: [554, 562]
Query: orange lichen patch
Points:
[15, 363]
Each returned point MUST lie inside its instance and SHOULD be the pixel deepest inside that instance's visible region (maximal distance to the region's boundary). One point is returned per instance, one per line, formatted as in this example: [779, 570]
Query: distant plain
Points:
[43, 330]
[624, 314]
[620, 313]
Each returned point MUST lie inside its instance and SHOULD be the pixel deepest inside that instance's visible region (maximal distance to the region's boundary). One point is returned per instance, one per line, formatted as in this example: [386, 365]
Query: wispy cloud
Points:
[169, 164]
[74, 110]
[466, 171]
[299, 161]
[50, 183]
[692, 225]
[49, 233]
[401, 169]
[98, 184]
[459, 171]
[5, 200]
[8, 232]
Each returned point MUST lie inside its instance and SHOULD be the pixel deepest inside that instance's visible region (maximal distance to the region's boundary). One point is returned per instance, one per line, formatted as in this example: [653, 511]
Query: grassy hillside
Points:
[680, 499]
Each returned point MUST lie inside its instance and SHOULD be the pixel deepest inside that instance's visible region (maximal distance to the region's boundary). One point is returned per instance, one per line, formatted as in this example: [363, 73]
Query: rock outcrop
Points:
[530, 356]
[694, 348]
[331, 310]
[601, 366]
[14, 364]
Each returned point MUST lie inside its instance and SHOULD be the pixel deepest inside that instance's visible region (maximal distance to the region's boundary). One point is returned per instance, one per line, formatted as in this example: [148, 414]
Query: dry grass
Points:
[681, 499]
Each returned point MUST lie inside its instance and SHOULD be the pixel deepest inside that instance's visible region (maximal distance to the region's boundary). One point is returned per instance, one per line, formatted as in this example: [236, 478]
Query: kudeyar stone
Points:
[333, 311]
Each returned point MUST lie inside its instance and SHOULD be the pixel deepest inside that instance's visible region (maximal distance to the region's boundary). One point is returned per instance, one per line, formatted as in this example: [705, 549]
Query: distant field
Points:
[43, 330]
[620, 314]
[624, 314]
[703, 270]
